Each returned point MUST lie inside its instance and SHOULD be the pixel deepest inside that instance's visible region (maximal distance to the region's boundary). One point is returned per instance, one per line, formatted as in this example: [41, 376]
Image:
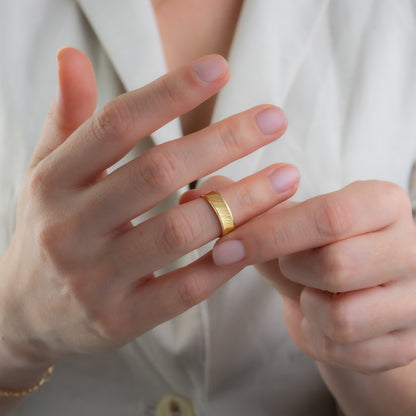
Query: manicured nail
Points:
[228, 252]
[210, 68]
[271, 120]
[284, 178]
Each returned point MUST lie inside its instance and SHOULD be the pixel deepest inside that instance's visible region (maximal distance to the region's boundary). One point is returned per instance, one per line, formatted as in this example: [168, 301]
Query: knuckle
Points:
[87, 288]
[340, 325]
[81, 287]
[246, 198]
[159, 170]
[391, 190]
[228, 135]
[191, 292]
[105, 325]
[49, 236]
[329, 350]
[37, 181]
[394, 197]
[282, 239]
[333, 218]
[168, 91]
[335, 269]
[109, 326]
[178, 232]
[112, 120]
[56, 239]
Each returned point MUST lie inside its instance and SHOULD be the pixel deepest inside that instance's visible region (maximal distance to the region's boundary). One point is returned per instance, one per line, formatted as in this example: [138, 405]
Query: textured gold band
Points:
[222, 210]
[23, 392]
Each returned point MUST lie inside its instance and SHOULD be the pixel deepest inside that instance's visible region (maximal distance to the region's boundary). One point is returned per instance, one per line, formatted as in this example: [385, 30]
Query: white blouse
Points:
[343, 71]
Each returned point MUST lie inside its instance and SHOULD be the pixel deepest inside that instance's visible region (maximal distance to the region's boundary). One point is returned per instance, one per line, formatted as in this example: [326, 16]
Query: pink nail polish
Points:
[228, 252]
[284, 178]
[271, 120]
[211, 68]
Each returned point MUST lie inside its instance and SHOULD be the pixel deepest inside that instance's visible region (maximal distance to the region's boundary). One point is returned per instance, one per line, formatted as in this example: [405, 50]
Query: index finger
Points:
[359, 208]
[112, 132]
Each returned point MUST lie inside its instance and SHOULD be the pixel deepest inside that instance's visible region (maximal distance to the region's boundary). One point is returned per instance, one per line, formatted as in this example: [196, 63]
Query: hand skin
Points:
[345, 265]
[78, 277]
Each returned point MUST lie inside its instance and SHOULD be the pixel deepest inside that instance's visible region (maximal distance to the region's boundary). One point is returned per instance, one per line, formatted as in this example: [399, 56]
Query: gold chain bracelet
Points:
[23, 392]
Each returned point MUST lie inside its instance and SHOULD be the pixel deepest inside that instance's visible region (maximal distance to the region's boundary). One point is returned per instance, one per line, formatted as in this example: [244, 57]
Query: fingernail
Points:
[271, 120]
[284, 178]
[228, 252]
[210, 68]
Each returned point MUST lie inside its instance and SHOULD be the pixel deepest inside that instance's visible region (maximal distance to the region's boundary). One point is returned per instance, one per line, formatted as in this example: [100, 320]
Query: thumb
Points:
[74, 102]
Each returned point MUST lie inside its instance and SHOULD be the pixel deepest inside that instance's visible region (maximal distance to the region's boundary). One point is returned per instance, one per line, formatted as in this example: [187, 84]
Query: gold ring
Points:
[222, 210]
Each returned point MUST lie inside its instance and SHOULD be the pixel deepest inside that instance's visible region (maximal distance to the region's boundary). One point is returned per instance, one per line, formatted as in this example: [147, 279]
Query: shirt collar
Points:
[265, 56]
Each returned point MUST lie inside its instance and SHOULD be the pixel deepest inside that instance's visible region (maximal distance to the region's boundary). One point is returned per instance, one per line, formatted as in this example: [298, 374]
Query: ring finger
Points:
[363, 314]
[154, 175]
[168, 236]
[385, 352]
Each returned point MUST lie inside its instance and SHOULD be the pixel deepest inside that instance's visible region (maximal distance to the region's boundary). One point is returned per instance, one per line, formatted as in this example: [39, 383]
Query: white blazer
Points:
[344, 72]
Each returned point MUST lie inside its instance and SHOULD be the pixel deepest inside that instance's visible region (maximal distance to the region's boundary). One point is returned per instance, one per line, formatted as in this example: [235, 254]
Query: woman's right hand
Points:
[78, 276]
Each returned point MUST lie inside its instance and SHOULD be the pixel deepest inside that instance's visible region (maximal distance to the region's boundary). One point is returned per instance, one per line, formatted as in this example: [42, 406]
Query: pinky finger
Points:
[158, 300]
[386, 352]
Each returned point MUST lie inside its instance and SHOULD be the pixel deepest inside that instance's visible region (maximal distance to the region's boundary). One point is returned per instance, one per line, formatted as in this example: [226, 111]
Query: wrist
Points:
[21, 364]
[21, 392]
[17, 373]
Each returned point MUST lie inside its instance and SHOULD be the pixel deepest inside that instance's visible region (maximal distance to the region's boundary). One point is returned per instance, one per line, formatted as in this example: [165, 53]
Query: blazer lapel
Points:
[129, 34]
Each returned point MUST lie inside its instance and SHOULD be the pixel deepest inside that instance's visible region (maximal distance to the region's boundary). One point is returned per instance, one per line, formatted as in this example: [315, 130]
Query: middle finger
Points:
[168, 236]
[363, 314]
[145, 181]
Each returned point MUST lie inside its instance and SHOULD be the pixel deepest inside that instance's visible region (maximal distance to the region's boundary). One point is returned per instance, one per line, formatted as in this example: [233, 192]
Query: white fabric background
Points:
[344, 74]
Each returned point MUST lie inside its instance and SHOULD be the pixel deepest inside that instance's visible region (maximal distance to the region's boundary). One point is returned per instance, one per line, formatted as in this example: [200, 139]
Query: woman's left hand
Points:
[345, 264]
